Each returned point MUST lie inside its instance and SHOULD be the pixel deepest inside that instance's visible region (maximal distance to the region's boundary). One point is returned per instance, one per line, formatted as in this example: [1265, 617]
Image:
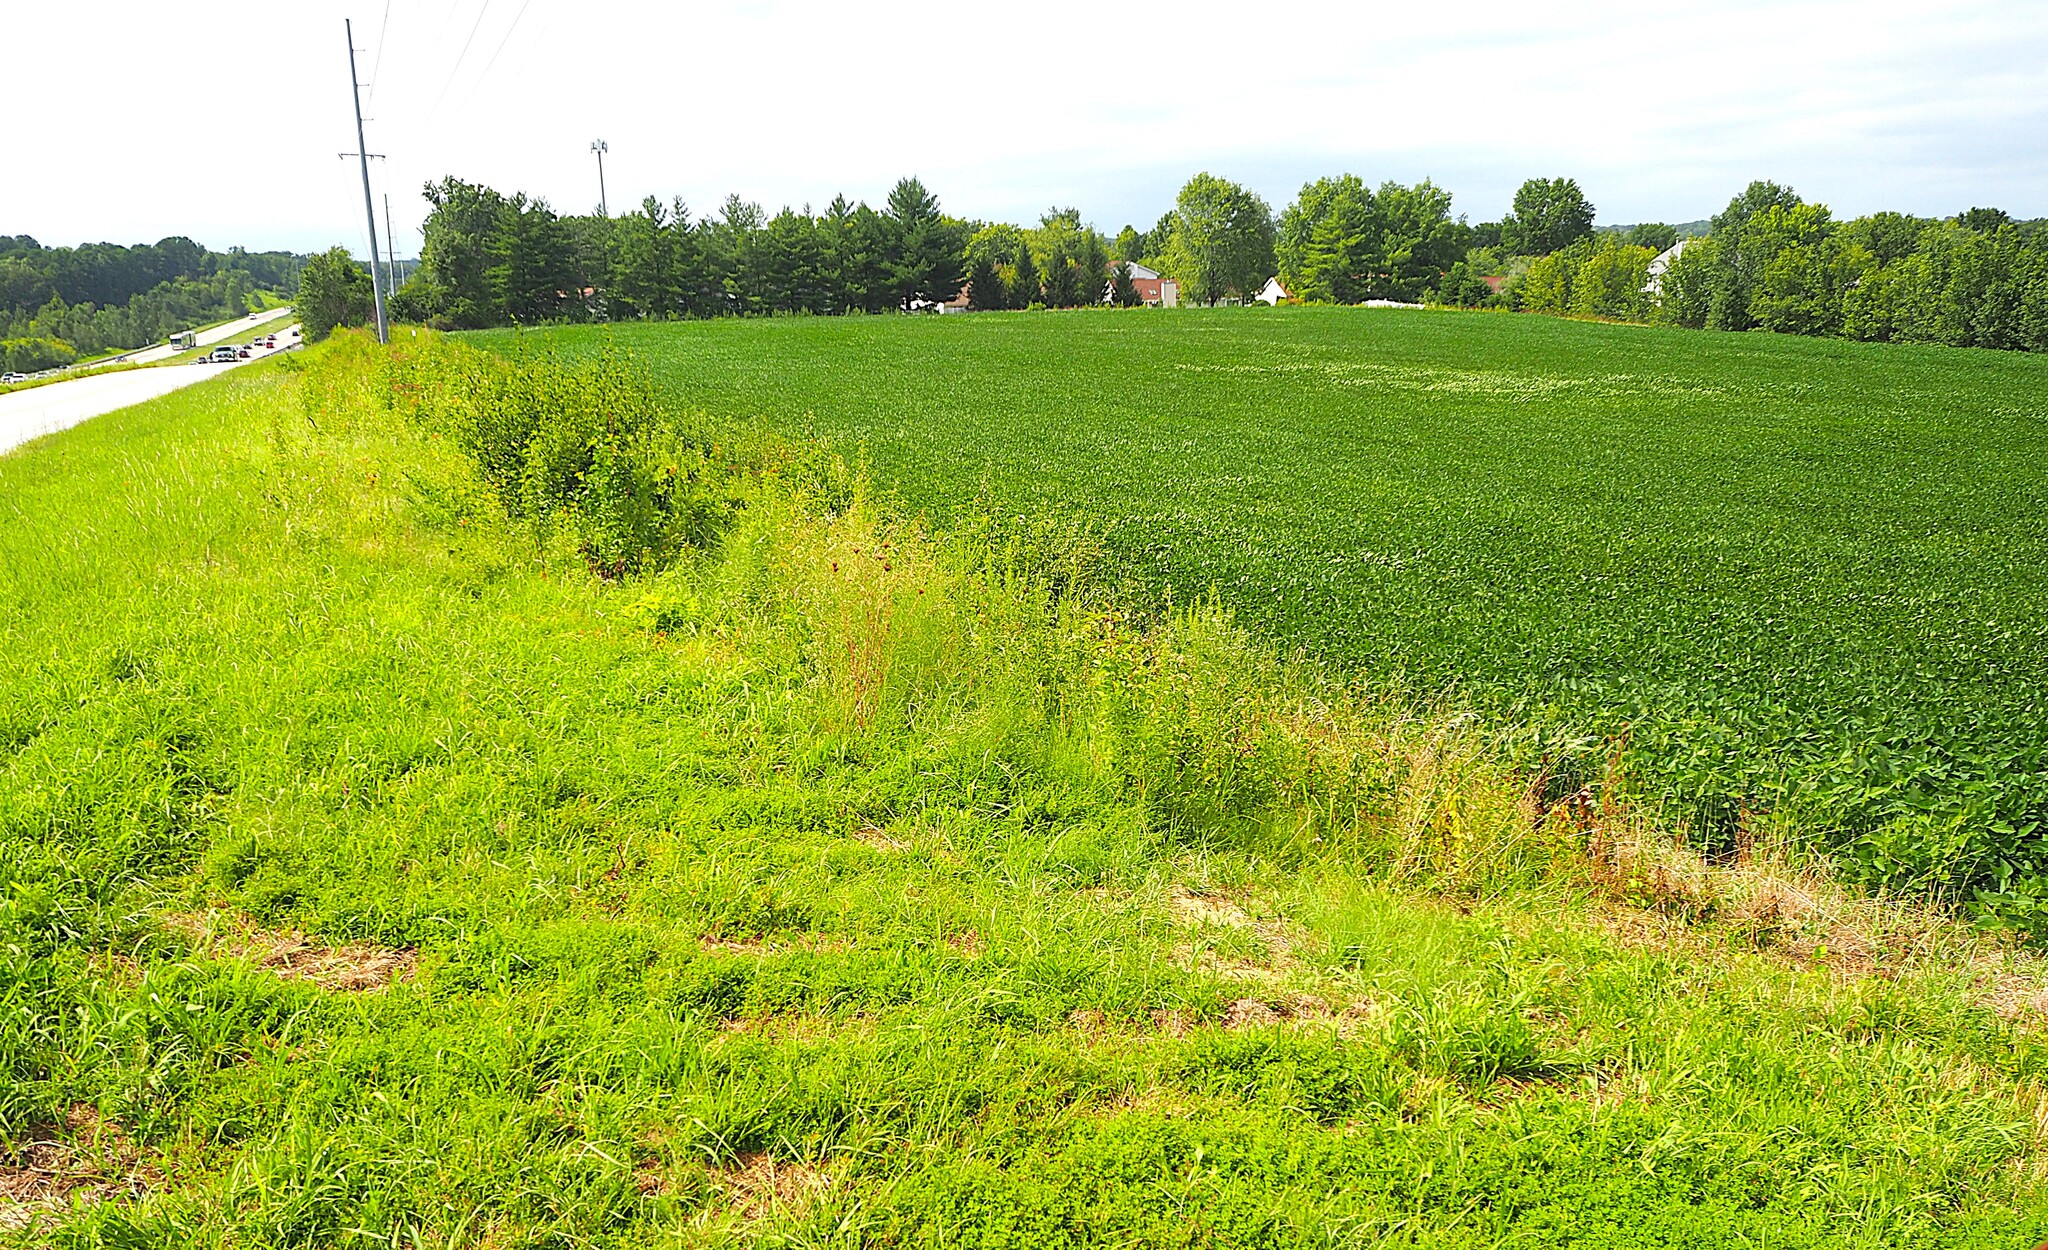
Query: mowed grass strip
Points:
[1794, 576]
[371, 874]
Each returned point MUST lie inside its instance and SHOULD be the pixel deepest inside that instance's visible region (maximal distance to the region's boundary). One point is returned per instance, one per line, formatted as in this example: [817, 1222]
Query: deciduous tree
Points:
[1549, 214]
[1222, 240]
[1654, 235]
[333, 291]
[456, 259]
[1739, 264]
[1341, 243]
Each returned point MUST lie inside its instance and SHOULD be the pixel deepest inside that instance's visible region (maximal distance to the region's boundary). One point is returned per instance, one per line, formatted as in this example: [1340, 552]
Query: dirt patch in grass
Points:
[1172, 1023]
[759, 1184]
[1249, 1013]
[1280, 938]
[794, 1026]
[759, 947]
[1298, 1010]
[53, 1168]
[352, 967]
[871, 836]
[2019, 999]
[1191, 907]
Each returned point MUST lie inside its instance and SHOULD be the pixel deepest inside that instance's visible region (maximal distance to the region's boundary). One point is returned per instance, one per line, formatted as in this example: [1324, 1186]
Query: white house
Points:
[1659, 264]
[1272, 292]
[1153, 290]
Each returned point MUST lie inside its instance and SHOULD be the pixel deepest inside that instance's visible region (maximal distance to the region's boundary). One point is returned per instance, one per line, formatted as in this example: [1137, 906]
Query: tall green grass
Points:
[822, 881]
[1790, 577]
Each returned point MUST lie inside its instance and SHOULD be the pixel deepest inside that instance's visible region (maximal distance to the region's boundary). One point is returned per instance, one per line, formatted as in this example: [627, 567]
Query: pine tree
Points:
[1063, 276]
[1025, 289]
[1123, 289]
[985, 287]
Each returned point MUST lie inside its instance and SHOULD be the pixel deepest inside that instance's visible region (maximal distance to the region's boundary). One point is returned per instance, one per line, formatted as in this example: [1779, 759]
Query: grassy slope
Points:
[1759, 552]
[707, 952]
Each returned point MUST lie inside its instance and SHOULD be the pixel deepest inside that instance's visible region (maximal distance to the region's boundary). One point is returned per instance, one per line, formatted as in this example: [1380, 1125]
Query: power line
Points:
[379, 62]
[507, 39]
[483, 9]
[441, 35]
[478, 81]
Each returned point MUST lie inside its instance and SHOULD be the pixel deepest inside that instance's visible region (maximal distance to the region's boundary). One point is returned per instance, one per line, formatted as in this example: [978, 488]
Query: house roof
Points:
[1663, 259]
[1140, 271]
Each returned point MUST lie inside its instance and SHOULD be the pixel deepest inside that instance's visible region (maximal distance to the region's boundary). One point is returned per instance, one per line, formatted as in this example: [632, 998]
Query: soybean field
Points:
[1779, 575]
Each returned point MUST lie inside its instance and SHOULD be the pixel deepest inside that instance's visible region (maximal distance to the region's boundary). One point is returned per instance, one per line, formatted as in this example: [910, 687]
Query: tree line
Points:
[491, 259]
[1769, 261]
[59, 303]
[1772, 261]
[1776, 262]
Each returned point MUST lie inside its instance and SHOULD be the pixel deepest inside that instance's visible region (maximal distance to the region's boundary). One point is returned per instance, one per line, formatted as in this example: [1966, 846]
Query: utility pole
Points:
[600, 147]
[390, 248]
[369, 208]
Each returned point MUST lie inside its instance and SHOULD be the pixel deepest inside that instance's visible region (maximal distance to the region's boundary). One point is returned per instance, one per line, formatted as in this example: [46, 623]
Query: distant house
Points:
[1272, 292]
[1494, 282]
[1660, 264]
[958, 303]
[1153, 290]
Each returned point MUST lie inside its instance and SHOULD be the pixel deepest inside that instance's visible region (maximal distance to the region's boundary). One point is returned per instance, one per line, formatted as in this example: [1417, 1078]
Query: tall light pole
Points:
[600, 147]
[369, 210]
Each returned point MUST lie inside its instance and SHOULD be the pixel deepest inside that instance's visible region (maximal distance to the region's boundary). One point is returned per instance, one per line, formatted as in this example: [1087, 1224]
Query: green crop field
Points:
[1793, 575]
[380, 869]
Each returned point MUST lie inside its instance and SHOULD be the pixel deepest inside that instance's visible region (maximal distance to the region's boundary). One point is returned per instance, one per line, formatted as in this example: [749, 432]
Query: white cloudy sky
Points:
[224, 123]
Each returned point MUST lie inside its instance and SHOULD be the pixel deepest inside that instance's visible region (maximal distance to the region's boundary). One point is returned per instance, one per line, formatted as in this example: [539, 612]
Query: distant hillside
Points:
[98, 296]
[1686, 229]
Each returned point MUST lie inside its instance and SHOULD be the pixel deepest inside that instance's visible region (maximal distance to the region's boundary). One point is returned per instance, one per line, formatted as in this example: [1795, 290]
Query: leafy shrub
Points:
[582, 448]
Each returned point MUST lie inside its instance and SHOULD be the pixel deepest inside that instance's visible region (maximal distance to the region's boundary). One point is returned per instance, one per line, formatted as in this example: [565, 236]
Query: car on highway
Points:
[9, 379]
[223, 356]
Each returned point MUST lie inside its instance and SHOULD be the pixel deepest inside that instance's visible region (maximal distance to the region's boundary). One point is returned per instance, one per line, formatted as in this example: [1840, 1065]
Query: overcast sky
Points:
[134, 121]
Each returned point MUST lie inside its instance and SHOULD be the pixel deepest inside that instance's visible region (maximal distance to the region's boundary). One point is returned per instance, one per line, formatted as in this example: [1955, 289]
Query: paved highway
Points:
[162, 351]
[41, 410]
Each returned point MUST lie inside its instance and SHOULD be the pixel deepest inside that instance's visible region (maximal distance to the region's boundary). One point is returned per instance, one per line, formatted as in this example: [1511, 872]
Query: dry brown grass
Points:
[870, 836]
[54, 1168]
[351, 967]
[1652, 891]
[759, 1185]
[760, 947]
